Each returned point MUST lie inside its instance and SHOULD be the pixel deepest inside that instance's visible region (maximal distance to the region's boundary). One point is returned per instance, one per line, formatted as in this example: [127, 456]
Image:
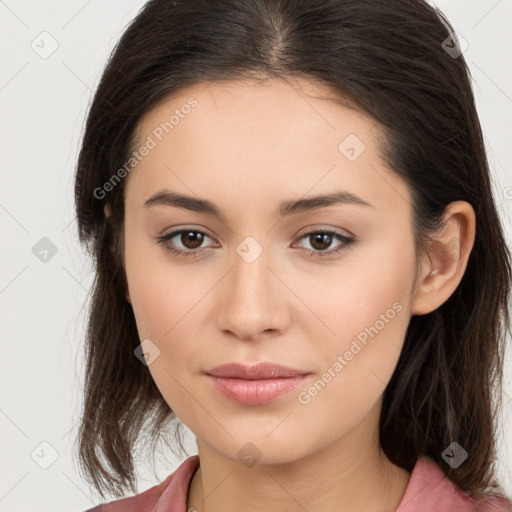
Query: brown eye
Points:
[320, 241]
[189, 242]
[191, 239]
[184, 242]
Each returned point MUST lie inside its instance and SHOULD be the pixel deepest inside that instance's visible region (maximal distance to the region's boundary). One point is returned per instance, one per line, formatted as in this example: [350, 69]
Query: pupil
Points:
[196, 239]
[321, 236]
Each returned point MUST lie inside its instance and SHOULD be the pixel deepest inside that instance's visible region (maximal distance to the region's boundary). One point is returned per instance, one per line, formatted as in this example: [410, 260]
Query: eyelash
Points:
[346, 243]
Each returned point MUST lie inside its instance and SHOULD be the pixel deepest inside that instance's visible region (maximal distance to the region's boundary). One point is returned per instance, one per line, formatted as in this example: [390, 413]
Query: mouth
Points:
[257, 384]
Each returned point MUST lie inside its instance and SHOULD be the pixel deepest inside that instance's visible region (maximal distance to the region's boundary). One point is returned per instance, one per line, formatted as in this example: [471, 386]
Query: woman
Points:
[298, 257]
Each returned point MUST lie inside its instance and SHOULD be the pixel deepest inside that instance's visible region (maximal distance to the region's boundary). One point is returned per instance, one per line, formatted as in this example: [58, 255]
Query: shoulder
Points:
[173, 490]
[430, 490]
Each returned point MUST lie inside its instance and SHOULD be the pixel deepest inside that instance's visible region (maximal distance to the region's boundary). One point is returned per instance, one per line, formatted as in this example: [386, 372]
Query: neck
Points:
[350, 475]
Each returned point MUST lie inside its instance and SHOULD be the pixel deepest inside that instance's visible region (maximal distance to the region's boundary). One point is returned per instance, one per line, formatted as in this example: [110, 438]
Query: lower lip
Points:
[255, 392]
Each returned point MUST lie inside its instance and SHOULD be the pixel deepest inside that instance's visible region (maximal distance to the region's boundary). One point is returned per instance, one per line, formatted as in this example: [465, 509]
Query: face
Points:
[325, 290]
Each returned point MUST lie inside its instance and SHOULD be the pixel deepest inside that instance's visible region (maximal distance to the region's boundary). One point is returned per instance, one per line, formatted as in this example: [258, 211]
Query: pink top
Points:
[429, 490]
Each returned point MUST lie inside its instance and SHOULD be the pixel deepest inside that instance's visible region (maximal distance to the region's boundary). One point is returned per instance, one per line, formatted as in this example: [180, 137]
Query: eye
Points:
[192, 239]
[321, 239]
[188, 238]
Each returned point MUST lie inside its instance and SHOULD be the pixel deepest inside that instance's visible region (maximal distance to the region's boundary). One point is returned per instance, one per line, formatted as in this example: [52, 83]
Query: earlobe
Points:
[447, 260]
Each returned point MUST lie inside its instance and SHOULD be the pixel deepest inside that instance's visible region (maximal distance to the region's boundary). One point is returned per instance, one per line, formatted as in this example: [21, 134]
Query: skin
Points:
[246, 147]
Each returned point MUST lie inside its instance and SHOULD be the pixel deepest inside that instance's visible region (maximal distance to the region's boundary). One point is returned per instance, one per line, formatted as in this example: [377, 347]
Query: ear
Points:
[443, 268]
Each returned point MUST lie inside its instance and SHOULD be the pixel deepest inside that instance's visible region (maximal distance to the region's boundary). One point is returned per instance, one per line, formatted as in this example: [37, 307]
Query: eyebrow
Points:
[286, 208]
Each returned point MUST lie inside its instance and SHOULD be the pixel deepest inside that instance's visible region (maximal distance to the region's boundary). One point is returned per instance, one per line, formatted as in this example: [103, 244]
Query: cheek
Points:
[163, 305]
[369, 315]
[365, 311]
[380, 275]
[160, 292]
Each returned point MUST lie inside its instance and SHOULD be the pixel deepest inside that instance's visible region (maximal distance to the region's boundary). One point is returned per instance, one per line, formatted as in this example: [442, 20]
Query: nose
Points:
[253, 299]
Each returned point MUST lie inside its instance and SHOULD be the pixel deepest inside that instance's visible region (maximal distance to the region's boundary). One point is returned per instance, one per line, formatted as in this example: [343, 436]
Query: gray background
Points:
[44, 102]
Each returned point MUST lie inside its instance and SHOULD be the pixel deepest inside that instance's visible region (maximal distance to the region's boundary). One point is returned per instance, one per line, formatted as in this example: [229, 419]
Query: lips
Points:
[255, 372]
[255, 385]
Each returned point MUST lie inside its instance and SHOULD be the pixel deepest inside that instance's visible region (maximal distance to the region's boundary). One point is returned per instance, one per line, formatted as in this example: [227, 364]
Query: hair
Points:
[384, 57]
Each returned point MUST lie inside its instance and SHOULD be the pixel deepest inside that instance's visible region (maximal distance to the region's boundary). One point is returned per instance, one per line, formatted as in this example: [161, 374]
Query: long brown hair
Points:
[387, 57]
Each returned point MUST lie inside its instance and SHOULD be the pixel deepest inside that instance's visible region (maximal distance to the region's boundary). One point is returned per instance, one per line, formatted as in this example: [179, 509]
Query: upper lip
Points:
[254, 372]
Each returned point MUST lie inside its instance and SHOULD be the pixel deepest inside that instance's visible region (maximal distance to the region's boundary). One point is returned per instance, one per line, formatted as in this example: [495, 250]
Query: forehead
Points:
[291, 104]
[263, 138]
